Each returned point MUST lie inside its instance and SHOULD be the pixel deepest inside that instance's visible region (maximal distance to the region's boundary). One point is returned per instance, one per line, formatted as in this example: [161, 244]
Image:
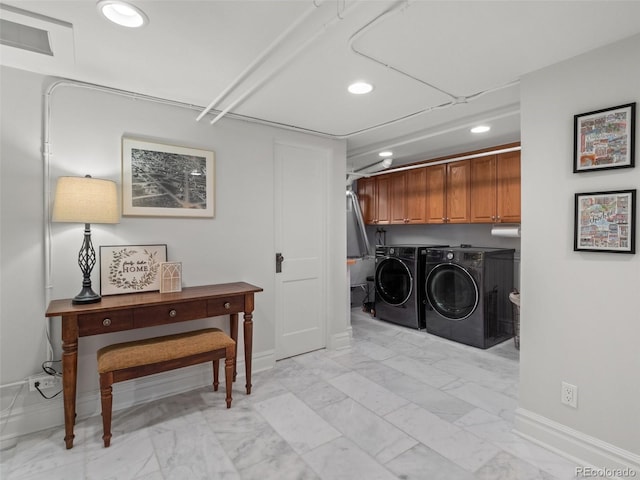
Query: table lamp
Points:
[86, 200]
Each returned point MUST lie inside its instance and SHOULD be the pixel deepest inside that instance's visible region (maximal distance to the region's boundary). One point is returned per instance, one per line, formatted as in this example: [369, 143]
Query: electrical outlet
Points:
[44, 381]
[569, 395]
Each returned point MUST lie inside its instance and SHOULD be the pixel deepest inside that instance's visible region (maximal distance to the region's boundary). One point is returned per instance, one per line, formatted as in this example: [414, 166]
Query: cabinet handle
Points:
[227, 305]
[106, 322]
[498, 217]
[172, 313]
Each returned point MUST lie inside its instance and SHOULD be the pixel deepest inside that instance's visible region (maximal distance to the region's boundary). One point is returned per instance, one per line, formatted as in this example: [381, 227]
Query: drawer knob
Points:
[227, 305]
[172, 313]
[106, 322]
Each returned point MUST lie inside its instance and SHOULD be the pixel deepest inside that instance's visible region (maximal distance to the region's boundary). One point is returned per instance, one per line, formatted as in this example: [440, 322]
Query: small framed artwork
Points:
[130, 268]
[605, 221]
[604, 139]
[166, 180]
[170, 277]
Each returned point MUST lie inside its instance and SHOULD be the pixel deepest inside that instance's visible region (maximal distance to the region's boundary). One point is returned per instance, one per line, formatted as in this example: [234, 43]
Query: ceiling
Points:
[438, 67]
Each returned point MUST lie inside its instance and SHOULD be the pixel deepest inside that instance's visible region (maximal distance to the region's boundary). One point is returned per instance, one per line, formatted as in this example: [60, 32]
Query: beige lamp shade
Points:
[85, 200]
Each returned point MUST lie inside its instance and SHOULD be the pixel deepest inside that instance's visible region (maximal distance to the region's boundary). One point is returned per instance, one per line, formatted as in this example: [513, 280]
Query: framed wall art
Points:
[605, 221]
[604, 139]
[166, 180]
[130, 268]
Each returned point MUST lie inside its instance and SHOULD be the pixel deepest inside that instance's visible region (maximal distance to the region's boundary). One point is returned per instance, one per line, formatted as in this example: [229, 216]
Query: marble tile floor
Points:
[397, 404]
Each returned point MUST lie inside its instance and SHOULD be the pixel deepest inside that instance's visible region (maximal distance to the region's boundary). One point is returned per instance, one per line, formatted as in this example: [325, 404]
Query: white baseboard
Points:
[578, 447]
[341, 340]
[45, 414]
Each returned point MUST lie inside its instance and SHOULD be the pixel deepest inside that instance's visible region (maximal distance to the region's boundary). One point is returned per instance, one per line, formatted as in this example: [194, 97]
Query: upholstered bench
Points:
[125, 361]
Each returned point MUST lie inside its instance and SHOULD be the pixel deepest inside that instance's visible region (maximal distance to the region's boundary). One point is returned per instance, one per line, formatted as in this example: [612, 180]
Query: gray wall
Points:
[579, 316]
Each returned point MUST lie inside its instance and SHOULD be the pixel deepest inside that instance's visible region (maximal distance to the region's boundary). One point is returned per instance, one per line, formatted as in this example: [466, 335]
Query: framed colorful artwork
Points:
[605, 221]
[604, 139]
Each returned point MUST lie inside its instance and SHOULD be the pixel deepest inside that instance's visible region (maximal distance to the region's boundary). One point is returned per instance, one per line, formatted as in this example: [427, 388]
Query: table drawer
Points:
[170, 313]
[225, 305]
[104, 322]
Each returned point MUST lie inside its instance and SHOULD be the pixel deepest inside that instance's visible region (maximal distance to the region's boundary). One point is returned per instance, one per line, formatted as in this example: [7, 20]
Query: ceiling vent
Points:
[30, 41]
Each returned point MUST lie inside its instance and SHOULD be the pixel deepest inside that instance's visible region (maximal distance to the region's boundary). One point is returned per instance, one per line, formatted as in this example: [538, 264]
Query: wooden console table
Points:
[139, 310]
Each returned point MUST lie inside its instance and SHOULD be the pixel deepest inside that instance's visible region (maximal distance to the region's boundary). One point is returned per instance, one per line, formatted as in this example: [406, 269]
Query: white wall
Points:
[579, 317]
[86, 127]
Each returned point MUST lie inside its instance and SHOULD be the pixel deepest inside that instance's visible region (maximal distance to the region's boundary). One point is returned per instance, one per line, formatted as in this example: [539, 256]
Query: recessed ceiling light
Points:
[359, 88]
[385, 154]
[480, 129]
[386, 163]
[122, 13]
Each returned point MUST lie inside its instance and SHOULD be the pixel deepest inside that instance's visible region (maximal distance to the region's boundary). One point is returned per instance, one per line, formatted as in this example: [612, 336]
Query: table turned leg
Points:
[69, 376]
[248, 347]
[234, 335]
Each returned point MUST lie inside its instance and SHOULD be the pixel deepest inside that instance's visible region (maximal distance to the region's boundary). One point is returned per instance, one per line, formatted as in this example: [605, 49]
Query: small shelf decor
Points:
[170, 277]
[604, 139]
[605, 221]
[130, 268]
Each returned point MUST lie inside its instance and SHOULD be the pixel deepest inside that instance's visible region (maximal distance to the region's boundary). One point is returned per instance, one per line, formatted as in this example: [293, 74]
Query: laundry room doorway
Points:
[300, 231]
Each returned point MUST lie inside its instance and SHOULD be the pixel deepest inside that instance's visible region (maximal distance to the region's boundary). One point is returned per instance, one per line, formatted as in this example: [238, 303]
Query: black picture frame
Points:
[604, 139]
[605, 221]
[162, 180]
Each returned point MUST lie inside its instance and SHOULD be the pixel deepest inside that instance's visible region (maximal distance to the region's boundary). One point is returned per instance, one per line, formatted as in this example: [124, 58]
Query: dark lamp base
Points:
[86, 296]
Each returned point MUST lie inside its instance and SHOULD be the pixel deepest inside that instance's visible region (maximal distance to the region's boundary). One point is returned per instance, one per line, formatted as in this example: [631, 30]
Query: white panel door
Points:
[300, 199]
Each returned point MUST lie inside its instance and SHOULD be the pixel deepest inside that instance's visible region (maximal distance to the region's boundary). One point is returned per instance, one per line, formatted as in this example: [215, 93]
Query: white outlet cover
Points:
[569, 395]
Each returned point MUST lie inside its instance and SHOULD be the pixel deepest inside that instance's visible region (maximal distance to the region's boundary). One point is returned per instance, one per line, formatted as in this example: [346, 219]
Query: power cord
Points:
[49, 370]
[36, 385]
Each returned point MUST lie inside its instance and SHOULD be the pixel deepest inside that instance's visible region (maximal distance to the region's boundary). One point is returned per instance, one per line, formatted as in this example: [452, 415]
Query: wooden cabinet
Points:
[495, 188]
[485, 189]
[508, 187]
[448, 192]
[383, 200]
[367, 199]
[374, 195]
[458, 199]
[436, 193]
[408, 198]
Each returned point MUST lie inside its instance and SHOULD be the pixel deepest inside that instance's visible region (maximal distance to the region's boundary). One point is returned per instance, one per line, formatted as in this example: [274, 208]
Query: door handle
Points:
[279, 260]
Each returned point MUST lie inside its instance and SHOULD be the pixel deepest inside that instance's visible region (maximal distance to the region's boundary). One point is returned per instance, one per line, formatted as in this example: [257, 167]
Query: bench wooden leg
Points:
[106, 399]
[216, 382]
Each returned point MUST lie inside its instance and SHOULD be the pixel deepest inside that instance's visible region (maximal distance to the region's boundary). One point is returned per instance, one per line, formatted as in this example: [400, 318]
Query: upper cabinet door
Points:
[416, 195]
[458, 201]
[367, 199]
[508, 187]
[436, 193]
[398, 197]
[483, 190]
[383, 200]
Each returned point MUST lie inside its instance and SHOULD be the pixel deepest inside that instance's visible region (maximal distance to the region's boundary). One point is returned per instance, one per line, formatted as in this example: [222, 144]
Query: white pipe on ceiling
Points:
[258, 60]
[278, 68]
